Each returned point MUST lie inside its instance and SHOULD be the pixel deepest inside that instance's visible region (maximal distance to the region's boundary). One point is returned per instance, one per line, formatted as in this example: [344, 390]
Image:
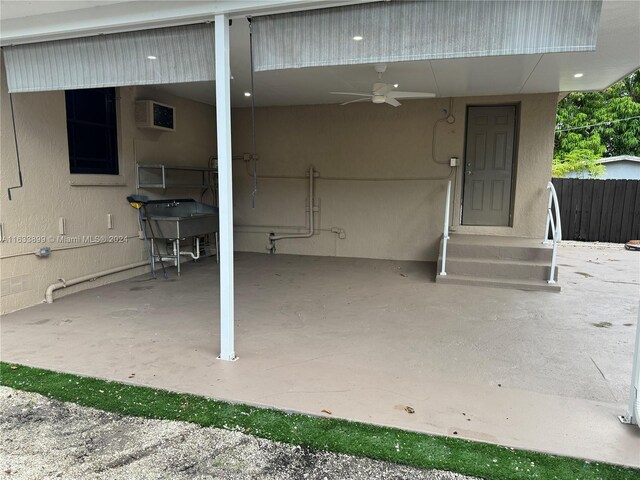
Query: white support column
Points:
[225, 187]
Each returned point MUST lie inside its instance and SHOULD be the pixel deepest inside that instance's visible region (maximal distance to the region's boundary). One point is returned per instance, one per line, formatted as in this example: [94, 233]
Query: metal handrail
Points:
[555, 226]
[445, 230]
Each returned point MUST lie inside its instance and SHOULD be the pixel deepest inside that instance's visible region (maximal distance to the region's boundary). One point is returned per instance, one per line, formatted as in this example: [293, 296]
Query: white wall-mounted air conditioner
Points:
[152, 114]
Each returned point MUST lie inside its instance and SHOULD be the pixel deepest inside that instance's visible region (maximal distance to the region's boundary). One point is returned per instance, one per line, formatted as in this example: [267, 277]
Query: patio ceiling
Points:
[617, 54]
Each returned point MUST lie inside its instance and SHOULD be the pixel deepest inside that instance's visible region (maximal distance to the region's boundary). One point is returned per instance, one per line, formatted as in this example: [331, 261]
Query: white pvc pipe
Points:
[445, 230]
[48, 296]
[196, 255]
[309, 234]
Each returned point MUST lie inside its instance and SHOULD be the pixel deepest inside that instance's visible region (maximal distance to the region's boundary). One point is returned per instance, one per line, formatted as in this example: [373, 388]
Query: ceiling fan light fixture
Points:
[383, 92]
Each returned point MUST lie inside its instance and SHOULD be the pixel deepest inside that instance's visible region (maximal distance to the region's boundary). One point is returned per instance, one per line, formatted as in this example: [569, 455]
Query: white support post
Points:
[225, 187]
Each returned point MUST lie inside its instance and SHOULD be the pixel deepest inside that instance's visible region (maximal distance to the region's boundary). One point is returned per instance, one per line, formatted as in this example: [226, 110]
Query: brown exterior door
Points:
[488, 165]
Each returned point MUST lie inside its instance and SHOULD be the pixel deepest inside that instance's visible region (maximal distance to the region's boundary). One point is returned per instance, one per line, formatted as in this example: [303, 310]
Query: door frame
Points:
[514, 168]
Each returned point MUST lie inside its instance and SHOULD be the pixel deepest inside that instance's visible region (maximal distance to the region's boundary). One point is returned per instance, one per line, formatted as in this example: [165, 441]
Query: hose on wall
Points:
[15, 139]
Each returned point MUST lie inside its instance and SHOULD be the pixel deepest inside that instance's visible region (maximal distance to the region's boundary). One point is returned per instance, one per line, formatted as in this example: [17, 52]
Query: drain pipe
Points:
[61, 283]
[194, 256]
[273, 237]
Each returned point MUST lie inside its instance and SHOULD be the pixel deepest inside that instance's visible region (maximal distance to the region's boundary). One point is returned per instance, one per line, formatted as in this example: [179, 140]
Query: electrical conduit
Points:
[61, 283]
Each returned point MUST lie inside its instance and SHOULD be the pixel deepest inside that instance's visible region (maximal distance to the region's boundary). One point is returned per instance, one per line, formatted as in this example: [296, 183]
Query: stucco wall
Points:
[47, 194]
[394, 219]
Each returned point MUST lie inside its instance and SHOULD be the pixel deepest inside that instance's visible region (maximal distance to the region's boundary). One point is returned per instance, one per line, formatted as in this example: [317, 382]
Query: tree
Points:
[581, 160]
[603, 123]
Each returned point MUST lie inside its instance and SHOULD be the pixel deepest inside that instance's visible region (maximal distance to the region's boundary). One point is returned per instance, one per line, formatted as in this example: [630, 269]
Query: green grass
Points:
[316, 433]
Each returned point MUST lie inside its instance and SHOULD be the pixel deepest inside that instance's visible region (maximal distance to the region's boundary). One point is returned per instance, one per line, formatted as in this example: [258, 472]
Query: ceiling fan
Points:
[383, 92]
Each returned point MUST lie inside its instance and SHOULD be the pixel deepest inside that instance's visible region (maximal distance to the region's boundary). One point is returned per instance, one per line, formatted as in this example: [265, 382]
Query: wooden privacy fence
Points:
[599, 210]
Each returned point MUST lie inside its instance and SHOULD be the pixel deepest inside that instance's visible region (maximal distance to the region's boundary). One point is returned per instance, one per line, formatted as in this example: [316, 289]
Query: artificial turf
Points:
[317, 433]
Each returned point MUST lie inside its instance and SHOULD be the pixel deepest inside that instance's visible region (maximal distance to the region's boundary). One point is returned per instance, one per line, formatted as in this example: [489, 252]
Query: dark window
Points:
[91, 130]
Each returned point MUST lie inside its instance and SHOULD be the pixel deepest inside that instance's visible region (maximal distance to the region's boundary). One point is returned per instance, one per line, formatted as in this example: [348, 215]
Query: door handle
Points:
[469, 172]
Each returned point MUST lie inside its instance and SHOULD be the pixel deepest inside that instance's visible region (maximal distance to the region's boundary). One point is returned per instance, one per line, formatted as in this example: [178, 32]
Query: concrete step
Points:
[488, 246]
[540, 285]
[507, 262]
[499, 268]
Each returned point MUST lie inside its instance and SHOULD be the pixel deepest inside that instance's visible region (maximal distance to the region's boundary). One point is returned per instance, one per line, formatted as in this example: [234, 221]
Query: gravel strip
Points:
[44, 438]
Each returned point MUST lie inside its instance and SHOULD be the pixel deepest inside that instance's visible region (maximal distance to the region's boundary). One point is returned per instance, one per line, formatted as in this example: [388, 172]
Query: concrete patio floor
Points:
[365, 338]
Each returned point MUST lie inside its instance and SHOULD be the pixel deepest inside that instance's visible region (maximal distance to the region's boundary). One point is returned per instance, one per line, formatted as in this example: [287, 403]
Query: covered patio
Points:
[344, 318]
[364, 338]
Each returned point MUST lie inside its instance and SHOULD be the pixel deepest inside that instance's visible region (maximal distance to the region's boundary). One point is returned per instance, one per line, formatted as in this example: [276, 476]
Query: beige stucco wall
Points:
[382, 219]
[47, 194]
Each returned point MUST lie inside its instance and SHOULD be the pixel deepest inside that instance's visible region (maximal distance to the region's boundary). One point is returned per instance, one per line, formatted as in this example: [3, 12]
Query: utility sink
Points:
[180, 218]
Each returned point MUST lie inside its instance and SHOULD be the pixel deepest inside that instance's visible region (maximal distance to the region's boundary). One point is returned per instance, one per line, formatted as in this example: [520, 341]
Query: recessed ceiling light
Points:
[357, 38]
[152, 57]
[247, 94]
[395, 85]
[578, 75]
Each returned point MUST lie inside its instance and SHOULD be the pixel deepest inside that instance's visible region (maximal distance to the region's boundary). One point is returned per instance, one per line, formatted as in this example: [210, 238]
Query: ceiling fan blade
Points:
[392, 101]
[352, 94]
[394, 94]
[357, 100]
[381, 88]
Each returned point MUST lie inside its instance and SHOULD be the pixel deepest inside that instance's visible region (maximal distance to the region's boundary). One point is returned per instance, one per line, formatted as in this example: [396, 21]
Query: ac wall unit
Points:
[152, 114]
